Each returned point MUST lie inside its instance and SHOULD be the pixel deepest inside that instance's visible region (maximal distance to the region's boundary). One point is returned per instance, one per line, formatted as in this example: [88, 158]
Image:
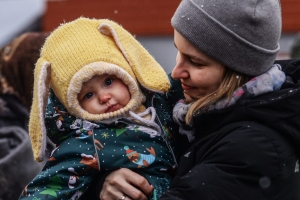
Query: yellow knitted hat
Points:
[73, 54]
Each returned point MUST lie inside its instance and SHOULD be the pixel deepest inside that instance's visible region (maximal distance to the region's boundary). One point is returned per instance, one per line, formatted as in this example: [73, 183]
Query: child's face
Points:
[102, 94]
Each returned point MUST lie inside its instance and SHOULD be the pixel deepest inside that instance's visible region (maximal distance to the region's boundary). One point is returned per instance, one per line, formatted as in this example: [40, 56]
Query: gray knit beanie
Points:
[242, 35]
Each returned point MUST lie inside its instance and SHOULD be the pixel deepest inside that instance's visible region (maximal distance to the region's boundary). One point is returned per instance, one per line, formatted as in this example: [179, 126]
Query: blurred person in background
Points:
[17, 61]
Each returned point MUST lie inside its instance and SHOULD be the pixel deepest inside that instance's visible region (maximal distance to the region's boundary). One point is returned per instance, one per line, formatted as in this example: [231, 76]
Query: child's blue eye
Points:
[108, 81]
[88, 95]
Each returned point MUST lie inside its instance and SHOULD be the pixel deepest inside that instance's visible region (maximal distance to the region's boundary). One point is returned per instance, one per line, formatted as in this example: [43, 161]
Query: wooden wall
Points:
[141, 17]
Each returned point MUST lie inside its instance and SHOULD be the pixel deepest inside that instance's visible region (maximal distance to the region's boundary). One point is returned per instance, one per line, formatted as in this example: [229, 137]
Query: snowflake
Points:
[105, 135]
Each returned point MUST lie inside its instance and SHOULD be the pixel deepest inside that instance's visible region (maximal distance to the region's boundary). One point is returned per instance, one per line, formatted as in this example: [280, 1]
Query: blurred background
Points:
[148, 20]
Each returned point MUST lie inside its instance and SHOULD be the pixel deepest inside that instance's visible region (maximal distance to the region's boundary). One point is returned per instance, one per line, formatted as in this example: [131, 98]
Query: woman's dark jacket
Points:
[247, 151]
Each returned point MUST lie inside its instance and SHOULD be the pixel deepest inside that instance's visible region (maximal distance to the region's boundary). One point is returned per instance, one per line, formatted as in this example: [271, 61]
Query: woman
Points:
[243, 108]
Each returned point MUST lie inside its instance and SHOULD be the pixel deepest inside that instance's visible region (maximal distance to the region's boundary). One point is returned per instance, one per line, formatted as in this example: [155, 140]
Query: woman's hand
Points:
[125, 182]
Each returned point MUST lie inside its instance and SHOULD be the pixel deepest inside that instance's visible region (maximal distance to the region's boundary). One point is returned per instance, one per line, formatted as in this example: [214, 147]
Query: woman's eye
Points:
[108, 82]
[195, 63]
[88, 95]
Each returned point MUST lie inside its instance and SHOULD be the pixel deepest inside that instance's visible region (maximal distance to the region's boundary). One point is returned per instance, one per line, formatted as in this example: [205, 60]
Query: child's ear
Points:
[147, 71]
[37, 130]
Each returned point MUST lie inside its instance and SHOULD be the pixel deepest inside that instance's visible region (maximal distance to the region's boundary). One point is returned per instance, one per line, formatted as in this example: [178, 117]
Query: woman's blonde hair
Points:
[230, 82]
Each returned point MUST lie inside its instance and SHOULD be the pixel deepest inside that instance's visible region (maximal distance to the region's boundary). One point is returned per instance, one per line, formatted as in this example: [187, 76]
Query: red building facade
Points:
[141, 17]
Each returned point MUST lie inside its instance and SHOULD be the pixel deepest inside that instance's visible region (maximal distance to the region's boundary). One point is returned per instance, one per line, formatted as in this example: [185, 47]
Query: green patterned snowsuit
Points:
[84, 148]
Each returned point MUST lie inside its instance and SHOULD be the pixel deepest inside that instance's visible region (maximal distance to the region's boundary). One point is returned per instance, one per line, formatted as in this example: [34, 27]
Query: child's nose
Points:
[104, 97]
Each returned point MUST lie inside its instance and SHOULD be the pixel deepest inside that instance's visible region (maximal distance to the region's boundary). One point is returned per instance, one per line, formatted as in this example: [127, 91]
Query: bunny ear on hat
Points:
[147, 71]
[37, 129]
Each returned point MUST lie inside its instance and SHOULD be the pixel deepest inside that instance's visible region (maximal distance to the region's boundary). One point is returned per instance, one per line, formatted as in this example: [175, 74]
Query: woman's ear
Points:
[37, 130]
[147, 71]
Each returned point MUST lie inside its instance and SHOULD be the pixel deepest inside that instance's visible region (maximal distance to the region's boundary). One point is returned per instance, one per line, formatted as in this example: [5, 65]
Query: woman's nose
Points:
[180, 70]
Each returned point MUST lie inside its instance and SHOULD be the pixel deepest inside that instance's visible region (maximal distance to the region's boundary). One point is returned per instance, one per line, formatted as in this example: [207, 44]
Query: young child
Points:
[96, 97]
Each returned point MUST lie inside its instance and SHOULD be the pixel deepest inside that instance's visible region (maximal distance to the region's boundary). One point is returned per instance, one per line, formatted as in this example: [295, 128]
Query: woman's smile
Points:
[187, 87]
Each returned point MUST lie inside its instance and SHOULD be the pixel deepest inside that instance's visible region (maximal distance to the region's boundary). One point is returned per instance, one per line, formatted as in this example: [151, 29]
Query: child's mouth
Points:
[112, 108]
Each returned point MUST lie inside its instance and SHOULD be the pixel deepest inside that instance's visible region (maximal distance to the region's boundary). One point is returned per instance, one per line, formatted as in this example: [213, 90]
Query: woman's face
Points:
[199, 74]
